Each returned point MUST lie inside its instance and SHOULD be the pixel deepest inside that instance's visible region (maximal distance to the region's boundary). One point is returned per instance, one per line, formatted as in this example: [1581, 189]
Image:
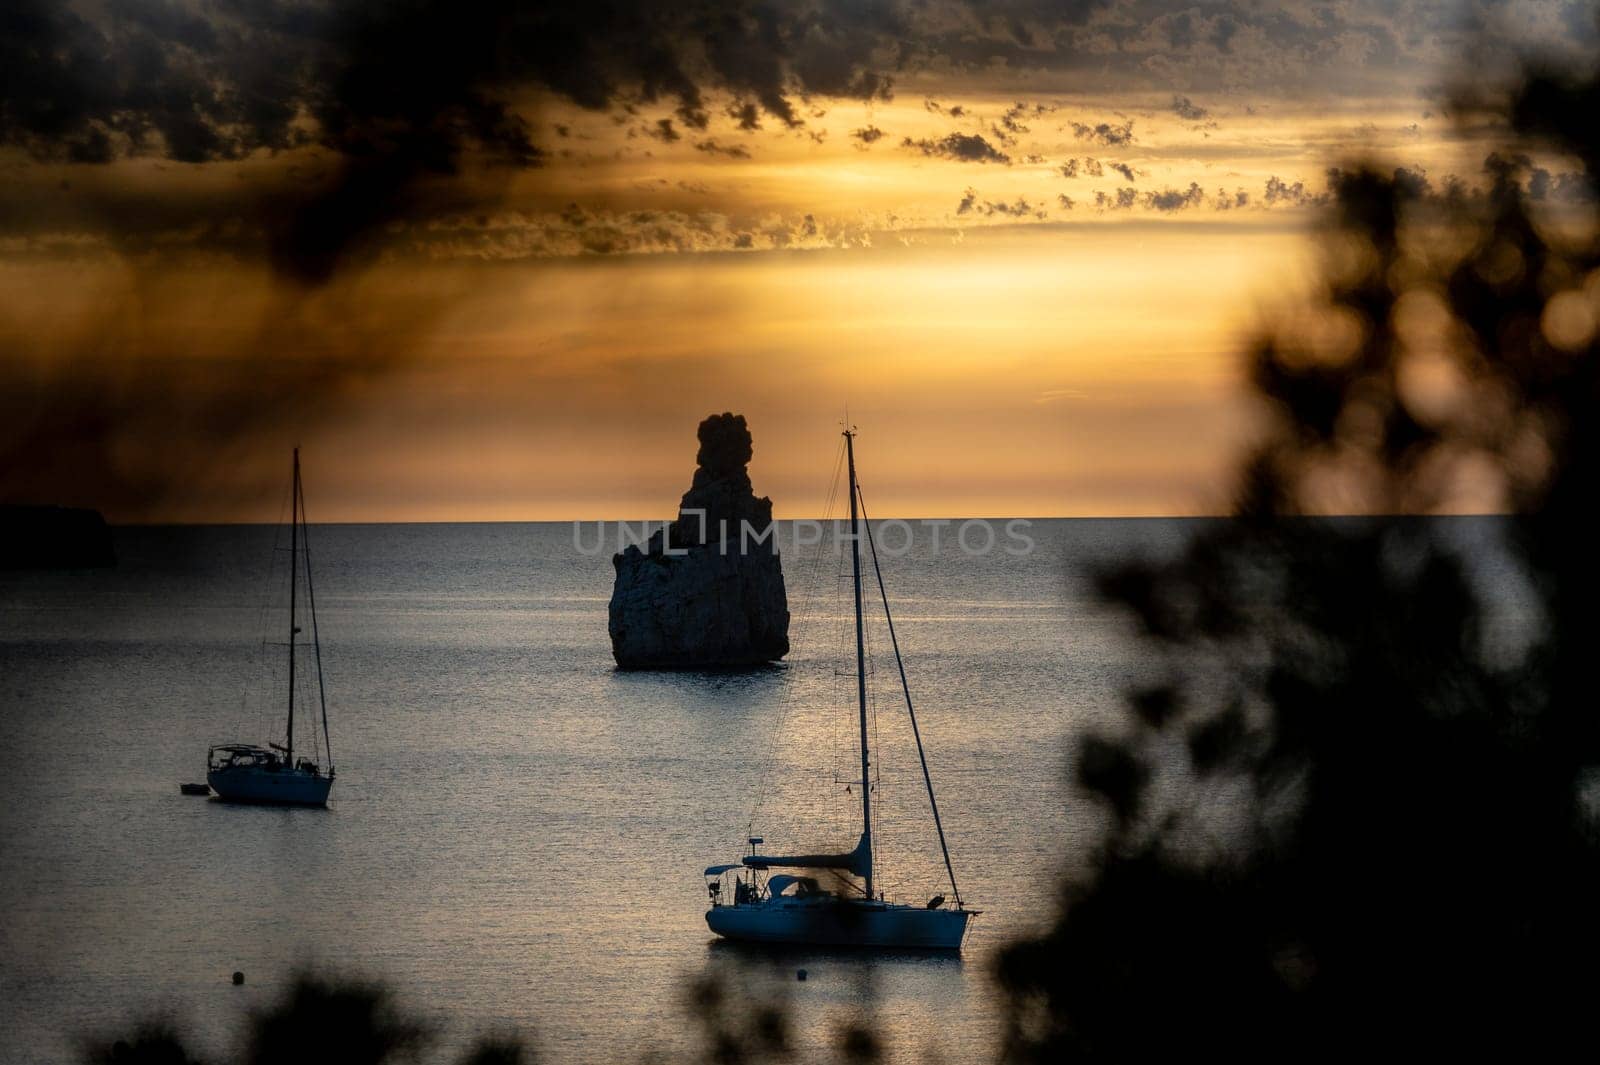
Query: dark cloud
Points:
[1121, 201]
[221, 79]
[1503, 167]
[748, 116]
[1175, 199]
[868, 134]
[1122, 168]
[1104, 132]
[1182, 47]
[1222, 31]
[1281, 192]
[1412, 182]
[1069, 169]
[406, 96]
[1010, 125]
[1092, 168]
[1018, 208]
[402, 95]
[597, 231]
[663, 131]
[1065, 201]
[937, 108]
[732, 151]
[963, 147]
[1166, 200]
[1541, 185]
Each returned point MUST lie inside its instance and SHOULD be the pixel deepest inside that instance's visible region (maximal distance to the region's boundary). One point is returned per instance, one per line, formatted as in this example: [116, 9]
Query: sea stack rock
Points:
[704, 594]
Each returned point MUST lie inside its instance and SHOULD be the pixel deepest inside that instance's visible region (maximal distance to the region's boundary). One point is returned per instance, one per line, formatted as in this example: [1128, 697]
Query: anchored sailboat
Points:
[246, 773]
[793, 909]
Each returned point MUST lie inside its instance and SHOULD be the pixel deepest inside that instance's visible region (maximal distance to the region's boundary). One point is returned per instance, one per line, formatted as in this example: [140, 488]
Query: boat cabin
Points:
[753, 888]
[260, 759]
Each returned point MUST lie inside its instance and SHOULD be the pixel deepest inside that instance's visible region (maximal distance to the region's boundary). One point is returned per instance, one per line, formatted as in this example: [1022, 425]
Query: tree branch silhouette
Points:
[1349, 812]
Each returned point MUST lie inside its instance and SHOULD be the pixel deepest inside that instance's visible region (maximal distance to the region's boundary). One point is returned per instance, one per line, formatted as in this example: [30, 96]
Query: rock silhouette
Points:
[704, 593]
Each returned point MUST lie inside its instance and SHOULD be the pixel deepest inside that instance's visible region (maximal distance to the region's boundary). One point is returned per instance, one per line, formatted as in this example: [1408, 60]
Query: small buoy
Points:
[238, 978]
[800, 975]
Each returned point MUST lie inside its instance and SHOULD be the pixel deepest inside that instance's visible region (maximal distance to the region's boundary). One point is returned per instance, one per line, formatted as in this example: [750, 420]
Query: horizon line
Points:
[876, 521]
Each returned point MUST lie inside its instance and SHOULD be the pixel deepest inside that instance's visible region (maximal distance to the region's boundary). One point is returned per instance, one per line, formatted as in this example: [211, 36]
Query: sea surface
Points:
[517, 831]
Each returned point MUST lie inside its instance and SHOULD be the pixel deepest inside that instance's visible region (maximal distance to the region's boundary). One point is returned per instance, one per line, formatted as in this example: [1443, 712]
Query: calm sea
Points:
[517, 831]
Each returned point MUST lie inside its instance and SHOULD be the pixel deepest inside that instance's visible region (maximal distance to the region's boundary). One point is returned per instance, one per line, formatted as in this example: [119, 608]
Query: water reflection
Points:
[902, 997]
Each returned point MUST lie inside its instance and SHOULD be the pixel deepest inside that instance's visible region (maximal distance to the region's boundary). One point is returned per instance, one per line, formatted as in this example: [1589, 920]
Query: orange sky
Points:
[1055, 371]
[541, 343]
[1073, 368]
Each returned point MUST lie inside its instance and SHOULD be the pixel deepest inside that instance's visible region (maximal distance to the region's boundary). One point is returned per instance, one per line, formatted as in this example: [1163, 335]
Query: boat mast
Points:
[316, 637]
[861, 661]
[294, 549]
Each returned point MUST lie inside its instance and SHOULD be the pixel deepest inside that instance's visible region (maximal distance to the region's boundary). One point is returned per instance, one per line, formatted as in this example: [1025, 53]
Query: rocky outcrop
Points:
[704, 593]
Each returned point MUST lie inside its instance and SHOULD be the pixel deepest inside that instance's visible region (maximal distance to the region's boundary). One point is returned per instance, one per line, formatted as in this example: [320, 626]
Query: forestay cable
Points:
[910, 710]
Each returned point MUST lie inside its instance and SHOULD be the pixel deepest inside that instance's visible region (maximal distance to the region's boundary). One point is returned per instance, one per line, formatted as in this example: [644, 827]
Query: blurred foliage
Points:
[150, 1044]
[326, 1020]
[1352, 808]
[733, 1028]
[318, 1021]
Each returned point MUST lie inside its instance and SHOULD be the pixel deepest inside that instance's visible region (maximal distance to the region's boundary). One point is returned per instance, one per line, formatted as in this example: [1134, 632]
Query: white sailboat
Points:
[794, 909]
[240, 772]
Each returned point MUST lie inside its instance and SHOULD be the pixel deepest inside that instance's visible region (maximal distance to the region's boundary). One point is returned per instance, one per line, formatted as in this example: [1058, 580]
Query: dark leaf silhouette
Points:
[151, 1044]
[324, 1021]
[1378, 831]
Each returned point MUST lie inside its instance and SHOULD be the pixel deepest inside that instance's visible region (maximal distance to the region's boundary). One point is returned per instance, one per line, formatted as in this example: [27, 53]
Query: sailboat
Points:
[240, 772]
[795, 909]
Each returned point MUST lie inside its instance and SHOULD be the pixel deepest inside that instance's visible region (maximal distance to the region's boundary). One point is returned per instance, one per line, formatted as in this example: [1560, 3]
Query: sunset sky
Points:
[487, 261]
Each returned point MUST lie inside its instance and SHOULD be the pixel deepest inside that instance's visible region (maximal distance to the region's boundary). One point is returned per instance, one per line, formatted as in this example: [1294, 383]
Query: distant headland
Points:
[48, 537]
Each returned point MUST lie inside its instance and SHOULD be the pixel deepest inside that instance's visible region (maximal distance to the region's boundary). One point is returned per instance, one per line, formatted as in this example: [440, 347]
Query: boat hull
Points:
[841, 924]
[281, 788]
